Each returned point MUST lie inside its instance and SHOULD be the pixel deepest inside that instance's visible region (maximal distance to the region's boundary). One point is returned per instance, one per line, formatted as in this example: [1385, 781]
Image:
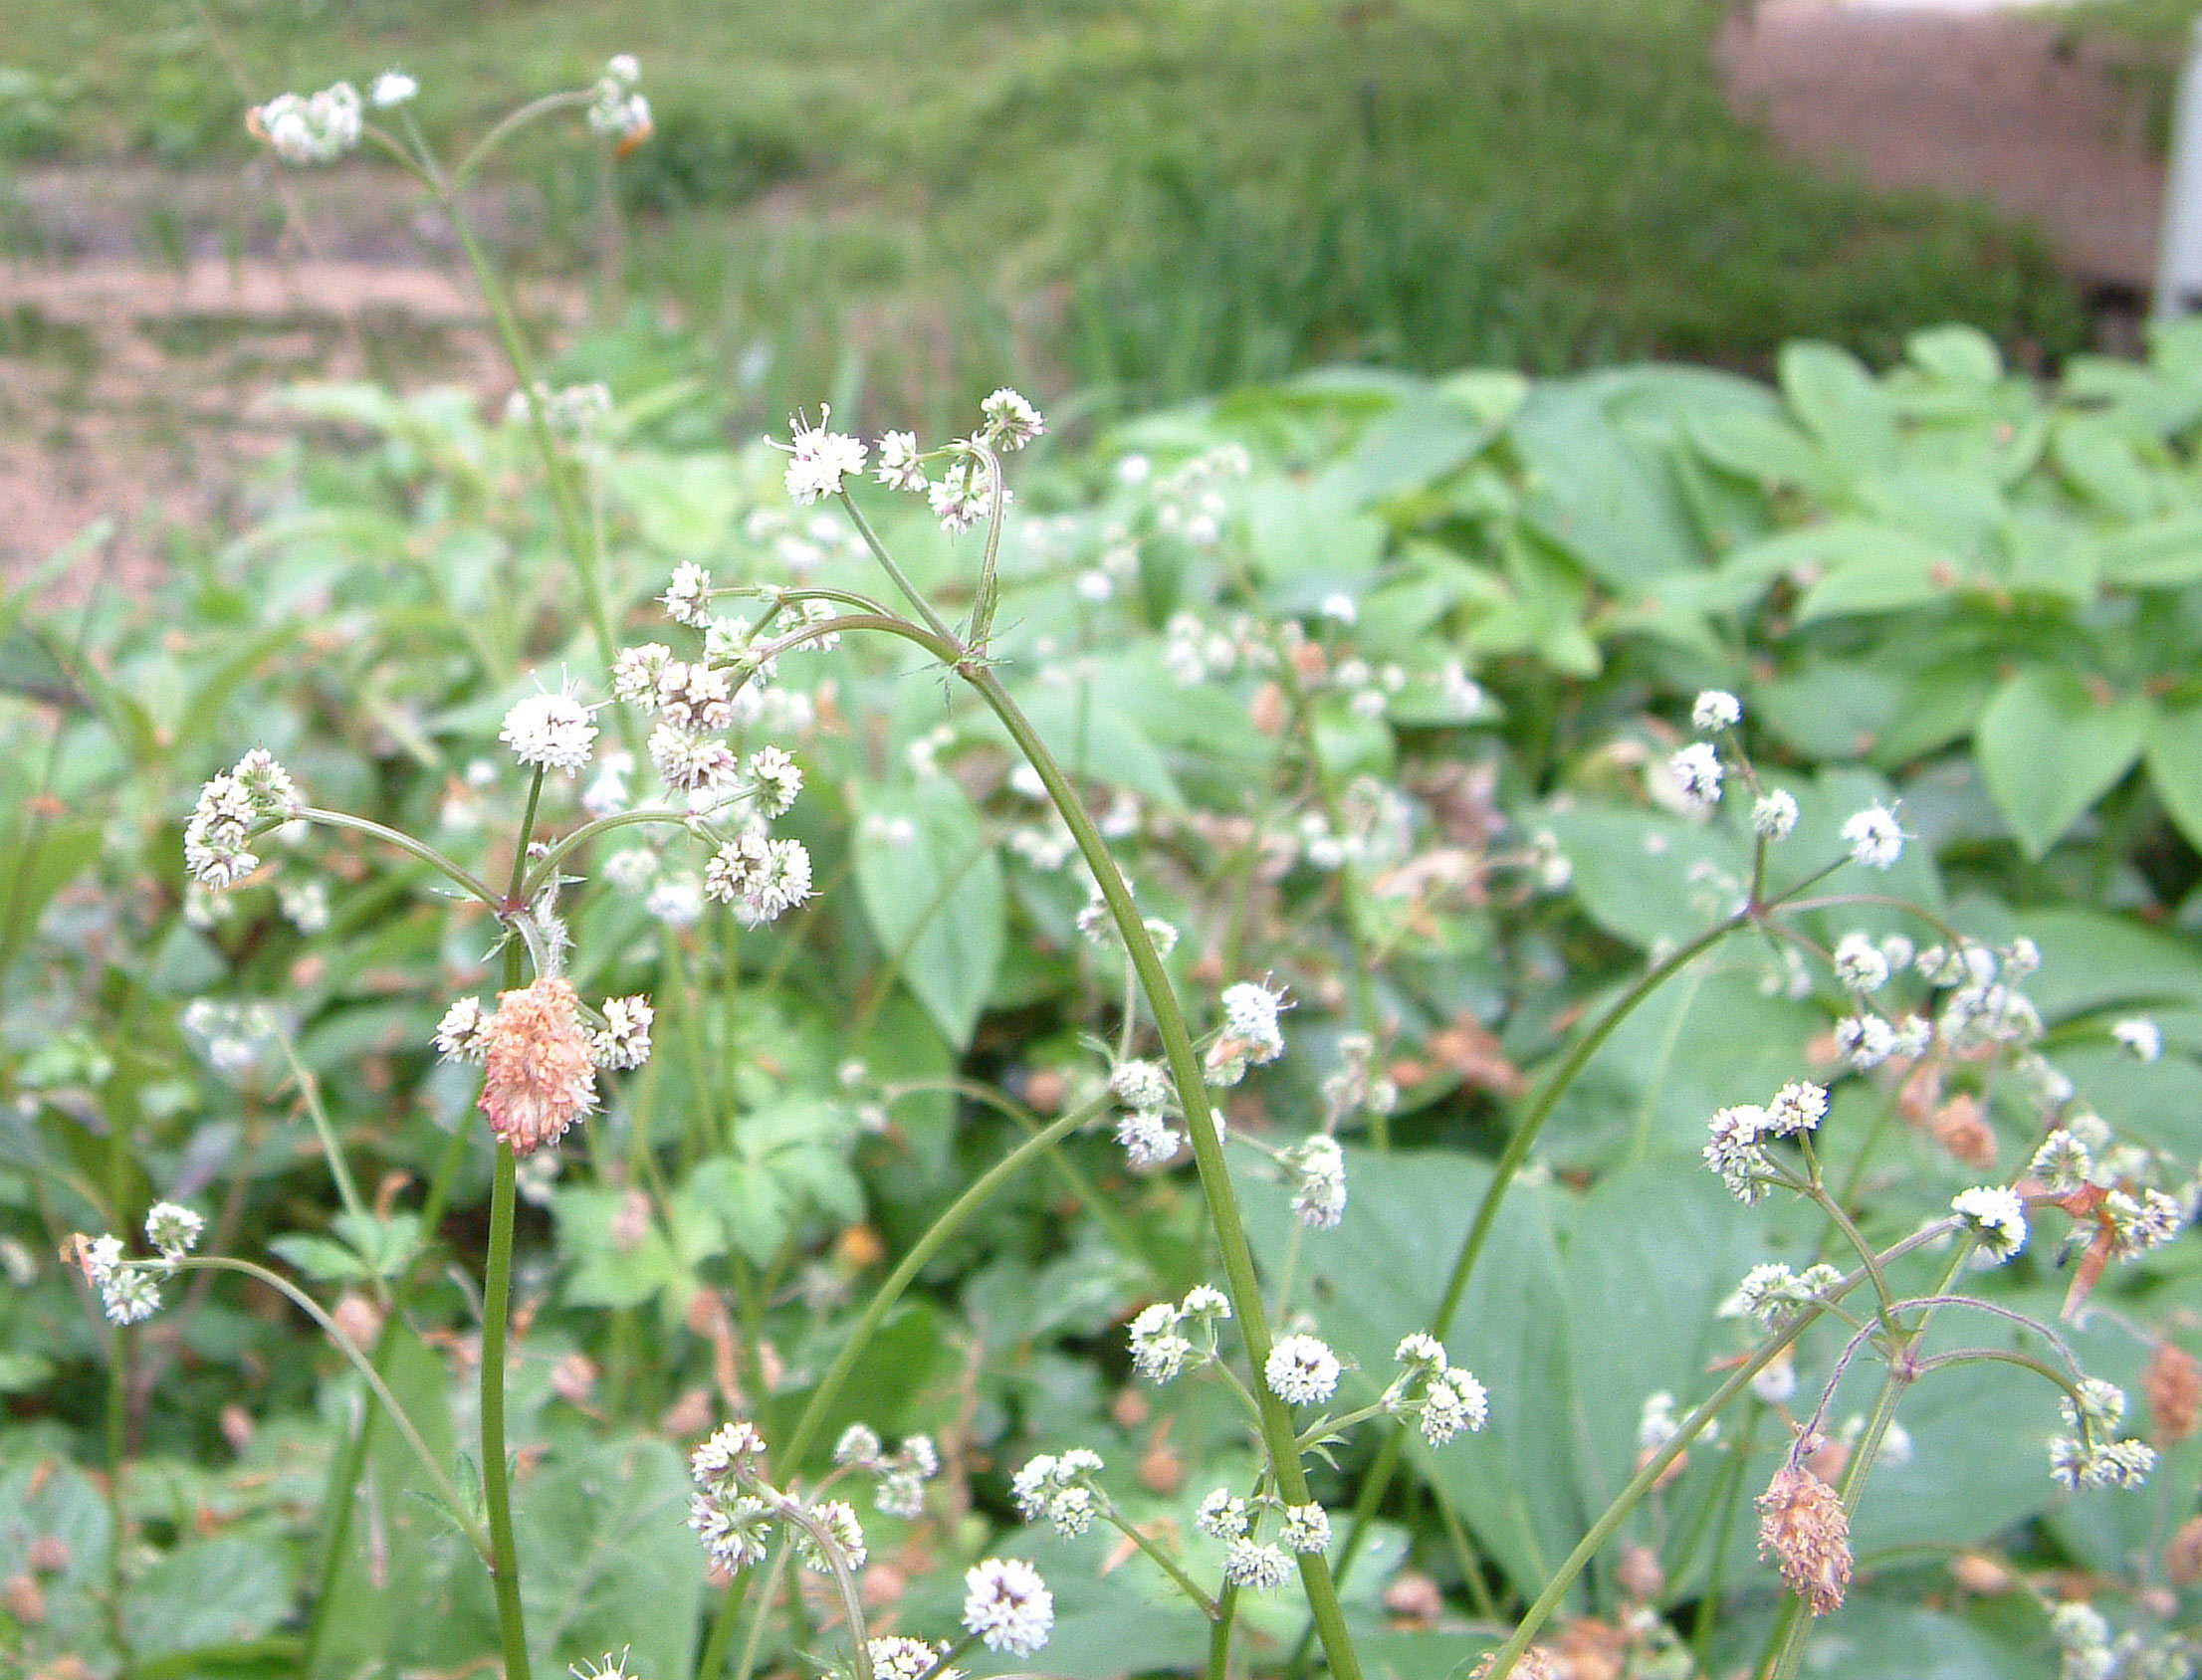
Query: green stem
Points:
[867, 1324]
[1502, 1177]
[391, 837]
[1208, 1148]
[359, 1363]
[1185, 1583]
[497, 1290]
[1219, 1635]
[916, 598]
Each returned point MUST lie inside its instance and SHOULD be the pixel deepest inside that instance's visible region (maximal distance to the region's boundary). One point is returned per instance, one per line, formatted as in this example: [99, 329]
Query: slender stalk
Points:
[911, 592]
[1162, 1561]
[391, 837]
[359, 1363]
[1502, 1177]
[497, 1291]
[1219, 1635]
[758, 1621]
[1208, 1148]
[807, 1425]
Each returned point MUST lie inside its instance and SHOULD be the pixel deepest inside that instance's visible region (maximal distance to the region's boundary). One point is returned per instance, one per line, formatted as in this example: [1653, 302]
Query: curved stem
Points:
[1502, 1177]
[1278, 1432]
[546, 866]
[479, 153]
[359, 1363]
[911, 592]
[982, 1189]
[1219, 1635]
[1186, 1583]
[402, 842]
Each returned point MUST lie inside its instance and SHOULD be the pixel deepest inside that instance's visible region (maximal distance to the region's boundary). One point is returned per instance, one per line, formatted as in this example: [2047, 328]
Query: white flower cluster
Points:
[256, 793]
[1160, 1347]
[1774, 1295]
[1358, 1086]
[235, 1036]
[964, 494]
[615, 108]
[1144, 1128]
[1250, 1035]
[1875, 838]
[896, 1657]
[1715, 710]
[130, 1290]
[1447, 1398]
[1319, 1198]
[549, 731]
[1008, 1607]
[1997, 1220]
[1736, 1149]
[902, 1474]
[734, 1508]
[1301, 1371]
[2141, 1038]
[2076, 1463]
[1059, 1489]
[819, 460]
[304, 128]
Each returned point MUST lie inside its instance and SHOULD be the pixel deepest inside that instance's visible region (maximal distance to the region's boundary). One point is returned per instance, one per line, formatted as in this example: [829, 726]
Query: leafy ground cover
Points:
[1380, 687]
[1142, 202]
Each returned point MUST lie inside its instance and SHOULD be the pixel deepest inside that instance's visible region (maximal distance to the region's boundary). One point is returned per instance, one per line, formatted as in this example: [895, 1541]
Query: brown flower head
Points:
[2183, 1556]
[2172, 1385]
[1536, 1663]
[1804, 1528]
[537, 1075]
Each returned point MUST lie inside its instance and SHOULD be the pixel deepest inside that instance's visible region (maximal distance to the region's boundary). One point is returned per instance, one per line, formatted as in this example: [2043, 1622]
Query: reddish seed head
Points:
[1804, 1528]
[537, 1078]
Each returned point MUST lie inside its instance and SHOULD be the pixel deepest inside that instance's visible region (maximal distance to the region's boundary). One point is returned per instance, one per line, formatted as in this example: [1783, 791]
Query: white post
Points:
[2179, 240]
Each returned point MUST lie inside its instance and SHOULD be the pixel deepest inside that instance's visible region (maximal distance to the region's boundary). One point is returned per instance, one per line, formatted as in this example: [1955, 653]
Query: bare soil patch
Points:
[1962, 101]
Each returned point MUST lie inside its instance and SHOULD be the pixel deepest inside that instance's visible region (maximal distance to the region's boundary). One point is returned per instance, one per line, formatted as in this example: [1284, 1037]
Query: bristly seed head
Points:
[538, 1076]
[1804, 1528]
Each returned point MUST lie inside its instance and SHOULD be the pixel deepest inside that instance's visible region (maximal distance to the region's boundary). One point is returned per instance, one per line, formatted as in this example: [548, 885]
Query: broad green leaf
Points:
[1962, 355]
[2161, 555]
[48, 1499]
[1872, 586]
[1378, 1275]
[931, 886]
[1311, 535]
[2176, 764]
[2049, 747]
[2096, 454]
[1096, 738]
[1644, 876]
[216, 1592]
[1761, 447]
[621, 1257]
[1836, 400]
[1871, 1639]
[1590, 494]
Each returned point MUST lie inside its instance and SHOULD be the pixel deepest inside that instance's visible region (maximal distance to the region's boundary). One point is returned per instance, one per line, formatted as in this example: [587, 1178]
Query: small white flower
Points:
[1736, 1150]
[842, 1532]
[1255, 1566]
[391, 88]
[2140, 1225]
[310, 128]
[1873, 837]
[896, 1657]
[1866, 1040]
[1148, 1137]
[131, 1296]
[1799, 1106]
[1320, 1198]
[819, 460]
[1301, 1371]
[1859, 964]
[2140, 1036]
[1158, 1353]
[549, 731]
[1007, 1605]
[762, 879]
[624, 1041]
[174, 1229]
[726, 1455]
[1696, 770]
[687, 596]
[1010, 421]
[461, 1035]
[898, 466]
[2102, 1404]
[1774, 814]
[1251, 1014]
[1454, 1401]
[1140, 1085]
[859, 1445]
[1420, 1351]
[1715, 710]
[2062, 1163]
[1221, 1516]
[736, 1530]
[1339, 609]
[1996, 1216]
[777, 780]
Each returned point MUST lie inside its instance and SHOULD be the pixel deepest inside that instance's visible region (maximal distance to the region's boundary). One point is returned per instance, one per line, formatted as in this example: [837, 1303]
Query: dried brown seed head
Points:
[538, 1078]
[1804, 1529]
[2172, 1385]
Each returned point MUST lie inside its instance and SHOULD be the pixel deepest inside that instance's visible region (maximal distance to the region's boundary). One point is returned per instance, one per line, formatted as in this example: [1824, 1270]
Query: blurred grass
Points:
[1139, 198]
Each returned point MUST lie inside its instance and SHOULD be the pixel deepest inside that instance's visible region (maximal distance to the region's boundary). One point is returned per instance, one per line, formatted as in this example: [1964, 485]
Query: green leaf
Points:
[1593, 498]
[1095, 736]
[1836, 400]
[1961, 355]
[2175, 767]
[1640, 873]
[2049, 747]
[613, 1266]
[2161, 555]
[210, 1592]
[1761, 447]
[931, 886]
